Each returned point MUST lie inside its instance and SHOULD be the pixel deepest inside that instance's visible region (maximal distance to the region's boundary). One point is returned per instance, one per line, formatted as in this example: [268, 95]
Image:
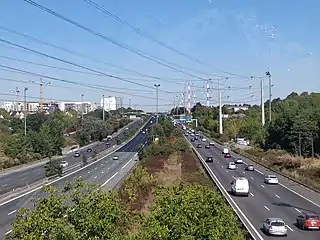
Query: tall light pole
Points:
[103, 113]
[270, 94]
[157, 87]
[25, 110]
[82, 107]
[262, 103]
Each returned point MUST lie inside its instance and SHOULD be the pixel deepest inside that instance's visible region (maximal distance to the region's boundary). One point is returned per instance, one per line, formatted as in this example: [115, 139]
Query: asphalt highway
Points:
[22, 177]
[264, 200]
[105, 172]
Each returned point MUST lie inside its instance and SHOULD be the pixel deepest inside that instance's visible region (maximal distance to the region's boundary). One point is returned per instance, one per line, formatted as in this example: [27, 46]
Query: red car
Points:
[227, 155]
[308, 221]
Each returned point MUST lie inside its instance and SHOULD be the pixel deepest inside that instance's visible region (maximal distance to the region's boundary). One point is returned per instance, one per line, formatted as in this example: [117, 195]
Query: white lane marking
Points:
[277, 196]
[310, 201]
[8, 232]
[95, 177]
[109, 179]
[252, 178]
[12, 212]
[259, 172]
[266, 208]
[102, 172]
[128, 162]
[262, 186]
[297, 210]
[227, 170]
[244, 172]
[229, 199]
[289, 228]
[252, 194]
[108, 168]
[101, 164]
[88, 171]
[95, 168]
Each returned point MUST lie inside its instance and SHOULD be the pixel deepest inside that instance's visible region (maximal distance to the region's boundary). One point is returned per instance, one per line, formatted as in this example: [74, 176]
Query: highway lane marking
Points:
[277, 196]
[307, 199]
[252, 194]
[108, 168]
[262, 186]
[109, 179]
[266, 208]
[244, 172]
[297, 210]
[229, 199]
[289, 228]
[12, 212]
[96, 168]
[88, 171]
[129, 161]
[252, 178]
[8, 232]
[95, 177]
[102, 172]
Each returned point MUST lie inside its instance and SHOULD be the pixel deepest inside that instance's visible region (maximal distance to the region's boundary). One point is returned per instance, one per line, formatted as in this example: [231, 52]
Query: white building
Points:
[77, 106]
[110, 103]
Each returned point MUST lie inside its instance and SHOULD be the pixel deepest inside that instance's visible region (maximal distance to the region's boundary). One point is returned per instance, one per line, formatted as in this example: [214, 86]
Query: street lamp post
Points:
[103, 113]
[82, 107]
[157, 87]
[25, 111]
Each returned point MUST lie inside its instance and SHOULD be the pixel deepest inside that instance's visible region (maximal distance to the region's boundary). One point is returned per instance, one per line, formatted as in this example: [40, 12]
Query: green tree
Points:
[72, 214]
[190, 212]
[53, 168]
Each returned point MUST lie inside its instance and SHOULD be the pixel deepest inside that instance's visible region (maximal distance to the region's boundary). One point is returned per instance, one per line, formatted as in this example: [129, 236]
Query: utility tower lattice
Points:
[189, 98]
[207, 91]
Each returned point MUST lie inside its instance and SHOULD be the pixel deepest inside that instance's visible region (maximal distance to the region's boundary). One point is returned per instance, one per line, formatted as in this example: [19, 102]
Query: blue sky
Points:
[243, 38]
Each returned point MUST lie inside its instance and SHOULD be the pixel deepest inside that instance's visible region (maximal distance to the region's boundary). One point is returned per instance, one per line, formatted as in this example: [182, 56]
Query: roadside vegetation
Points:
[48, 134]
[289, 144]
[167, 196]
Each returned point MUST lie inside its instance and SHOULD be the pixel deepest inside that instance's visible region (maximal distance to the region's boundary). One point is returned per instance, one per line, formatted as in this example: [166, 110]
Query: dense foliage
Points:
[181, 211]
[295, 123]
[47, 134]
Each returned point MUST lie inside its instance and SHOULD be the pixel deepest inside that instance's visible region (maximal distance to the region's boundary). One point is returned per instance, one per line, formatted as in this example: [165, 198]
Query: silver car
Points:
[275, 226]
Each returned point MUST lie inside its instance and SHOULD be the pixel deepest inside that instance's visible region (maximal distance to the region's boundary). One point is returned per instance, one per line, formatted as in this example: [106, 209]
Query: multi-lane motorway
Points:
[21, 177]
[105, 172]
[264, 200]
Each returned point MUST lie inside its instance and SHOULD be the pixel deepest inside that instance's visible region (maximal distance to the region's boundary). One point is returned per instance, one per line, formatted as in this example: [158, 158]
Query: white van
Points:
[225, 150]
[240, 186]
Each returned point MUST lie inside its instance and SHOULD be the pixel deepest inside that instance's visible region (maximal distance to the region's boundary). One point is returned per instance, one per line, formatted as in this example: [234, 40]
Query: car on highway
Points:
[240, 186]
[199, 146]
[207, 146]
[239, 161]
[143, 132]
[89, 150]
[308, 221]
[186, 134]
[77, 154]
[197, 134]
[195, 138]
[64, 164]
[209, 159]
[211, 143]
[271, 179]
[115, 158]
[204, 140]
[227, 155]
[249, 168]
[275, 226]
[192, 139]
[232, 166]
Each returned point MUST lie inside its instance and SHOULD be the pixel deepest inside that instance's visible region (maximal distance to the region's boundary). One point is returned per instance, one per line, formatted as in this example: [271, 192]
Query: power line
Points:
[93, 86]
[121, 45]
[76, 65]
[144, 34]
[81, 72]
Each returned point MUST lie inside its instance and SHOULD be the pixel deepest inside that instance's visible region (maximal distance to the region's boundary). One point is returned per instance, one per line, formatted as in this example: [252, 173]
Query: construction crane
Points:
[41, 84]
